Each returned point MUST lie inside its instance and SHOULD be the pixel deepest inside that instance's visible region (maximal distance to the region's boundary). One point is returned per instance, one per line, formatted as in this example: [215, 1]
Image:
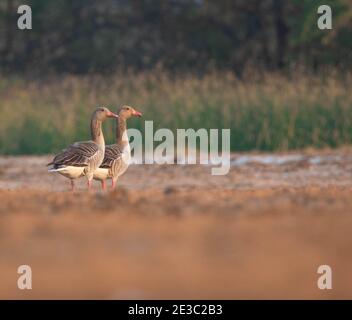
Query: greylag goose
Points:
[117, 156]
[82, 158]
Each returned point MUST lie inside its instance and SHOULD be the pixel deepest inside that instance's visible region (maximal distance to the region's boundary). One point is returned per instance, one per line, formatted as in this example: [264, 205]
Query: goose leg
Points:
[103, 185]
[72, 185]
[89, 184]
[113, 184]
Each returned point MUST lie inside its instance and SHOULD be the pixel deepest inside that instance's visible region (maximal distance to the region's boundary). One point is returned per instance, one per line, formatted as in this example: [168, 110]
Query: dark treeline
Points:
[82, 36]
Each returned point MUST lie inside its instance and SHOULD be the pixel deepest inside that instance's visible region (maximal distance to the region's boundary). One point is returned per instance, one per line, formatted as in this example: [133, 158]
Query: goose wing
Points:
[78, 154]
[112, 153]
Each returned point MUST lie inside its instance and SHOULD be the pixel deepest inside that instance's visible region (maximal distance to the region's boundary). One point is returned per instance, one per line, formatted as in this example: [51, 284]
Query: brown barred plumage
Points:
[117, 156]
[112, 153]
[83, 158]
[78, 154]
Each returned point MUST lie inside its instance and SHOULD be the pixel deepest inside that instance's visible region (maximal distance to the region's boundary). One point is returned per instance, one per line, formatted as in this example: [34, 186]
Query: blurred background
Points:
[259, 67]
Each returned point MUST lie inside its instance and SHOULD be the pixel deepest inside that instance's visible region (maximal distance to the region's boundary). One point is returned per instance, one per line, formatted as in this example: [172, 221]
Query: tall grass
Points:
[270, 112]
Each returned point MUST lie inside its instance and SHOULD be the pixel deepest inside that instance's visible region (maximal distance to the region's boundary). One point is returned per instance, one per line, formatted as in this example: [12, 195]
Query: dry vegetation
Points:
[177, 232]
[264, 112]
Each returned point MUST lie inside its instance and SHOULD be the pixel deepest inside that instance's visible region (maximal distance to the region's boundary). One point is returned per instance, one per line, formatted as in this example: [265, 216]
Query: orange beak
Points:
[112, 115]
[137, 113]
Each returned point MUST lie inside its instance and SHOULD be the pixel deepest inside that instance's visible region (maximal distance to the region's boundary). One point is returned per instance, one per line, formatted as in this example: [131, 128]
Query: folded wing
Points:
[113, 153]
[77, 155]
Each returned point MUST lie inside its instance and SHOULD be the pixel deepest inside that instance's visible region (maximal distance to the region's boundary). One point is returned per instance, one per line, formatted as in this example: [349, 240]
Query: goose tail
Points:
[55, 169]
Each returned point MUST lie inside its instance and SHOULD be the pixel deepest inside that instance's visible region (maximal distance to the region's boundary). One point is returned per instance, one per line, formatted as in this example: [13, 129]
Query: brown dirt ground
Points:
[262, 231]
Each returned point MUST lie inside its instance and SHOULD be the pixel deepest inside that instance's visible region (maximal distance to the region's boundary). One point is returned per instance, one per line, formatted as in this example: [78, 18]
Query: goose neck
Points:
[121, 132]
[96, 132]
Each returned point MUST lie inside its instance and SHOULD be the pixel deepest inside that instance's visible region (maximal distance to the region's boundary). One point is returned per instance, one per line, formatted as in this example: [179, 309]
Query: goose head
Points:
[127, 112]
[102, 113]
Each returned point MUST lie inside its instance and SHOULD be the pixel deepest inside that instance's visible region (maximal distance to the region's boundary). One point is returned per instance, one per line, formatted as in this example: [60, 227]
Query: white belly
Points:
[101, 174]
[126, 160]
[71, 172]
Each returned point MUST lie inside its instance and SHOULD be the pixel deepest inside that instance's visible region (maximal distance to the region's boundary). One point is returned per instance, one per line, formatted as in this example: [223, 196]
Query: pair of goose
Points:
[93, 159]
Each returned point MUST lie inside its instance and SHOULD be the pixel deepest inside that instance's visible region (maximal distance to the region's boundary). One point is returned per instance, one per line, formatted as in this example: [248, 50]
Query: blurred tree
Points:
[81, 36]
[315, 47]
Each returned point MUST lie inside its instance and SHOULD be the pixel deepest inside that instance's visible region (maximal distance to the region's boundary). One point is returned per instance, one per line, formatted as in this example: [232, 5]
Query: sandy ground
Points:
[176, 231]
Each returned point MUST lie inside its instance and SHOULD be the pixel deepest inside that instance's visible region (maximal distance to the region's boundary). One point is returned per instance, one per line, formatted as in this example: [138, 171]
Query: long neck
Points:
[121, 132]
[96, 132]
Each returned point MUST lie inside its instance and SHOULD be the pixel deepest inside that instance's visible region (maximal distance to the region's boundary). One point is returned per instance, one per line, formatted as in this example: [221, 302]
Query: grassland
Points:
[265, 112]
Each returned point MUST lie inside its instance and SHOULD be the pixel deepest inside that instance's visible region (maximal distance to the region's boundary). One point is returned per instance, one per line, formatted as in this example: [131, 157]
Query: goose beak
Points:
[137, 113]
[112, 115]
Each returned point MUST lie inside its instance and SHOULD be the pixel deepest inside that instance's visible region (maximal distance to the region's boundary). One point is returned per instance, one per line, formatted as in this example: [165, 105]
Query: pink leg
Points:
[89, 184]
[72, 185]
[113, 184]
[103, 185]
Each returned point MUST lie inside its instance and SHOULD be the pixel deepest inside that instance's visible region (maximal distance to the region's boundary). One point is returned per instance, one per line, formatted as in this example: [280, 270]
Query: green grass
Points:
[270, 112]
